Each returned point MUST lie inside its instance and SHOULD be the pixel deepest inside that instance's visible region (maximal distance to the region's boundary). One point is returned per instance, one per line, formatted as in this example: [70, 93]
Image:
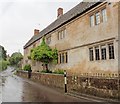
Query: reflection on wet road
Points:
[16, 89]
[11, 87]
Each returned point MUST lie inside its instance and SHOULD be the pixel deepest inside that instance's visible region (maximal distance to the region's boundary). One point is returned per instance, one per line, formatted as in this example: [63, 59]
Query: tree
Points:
[3, 65]
[3, 55]
[44, 54]
[3, 59]
[15, 58]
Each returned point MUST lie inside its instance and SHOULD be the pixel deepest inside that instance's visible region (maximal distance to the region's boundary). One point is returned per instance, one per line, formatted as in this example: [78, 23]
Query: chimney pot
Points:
[36, 31]
[60, 12]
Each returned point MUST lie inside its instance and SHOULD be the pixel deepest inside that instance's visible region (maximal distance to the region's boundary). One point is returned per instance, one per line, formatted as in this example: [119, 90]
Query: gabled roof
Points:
[70, 15]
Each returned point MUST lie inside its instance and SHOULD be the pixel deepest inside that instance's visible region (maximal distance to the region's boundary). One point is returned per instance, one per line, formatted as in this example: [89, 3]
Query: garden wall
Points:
[97, 86]
[53, 80]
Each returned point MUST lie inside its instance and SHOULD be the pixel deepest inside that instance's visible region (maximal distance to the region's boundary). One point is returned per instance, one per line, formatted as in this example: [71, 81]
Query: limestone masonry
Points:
[86, 38]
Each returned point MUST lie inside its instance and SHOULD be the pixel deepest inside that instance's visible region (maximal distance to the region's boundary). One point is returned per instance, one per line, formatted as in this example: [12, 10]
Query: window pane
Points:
[48, 40]
[103, 52]
[104, 15]
[97, 56]
[58, 35]
[97, 17]
[62, 58]
[66, 57]
[111, 51]
[91, 54]
[62, 33]
[92, 20]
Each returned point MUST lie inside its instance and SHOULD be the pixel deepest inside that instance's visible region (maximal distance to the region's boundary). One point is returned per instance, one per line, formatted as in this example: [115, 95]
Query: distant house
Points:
[86, 38]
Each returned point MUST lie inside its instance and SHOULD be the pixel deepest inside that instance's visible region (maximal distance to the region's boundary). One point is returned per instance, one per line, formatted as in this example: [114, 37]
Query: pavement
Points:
[93, 98]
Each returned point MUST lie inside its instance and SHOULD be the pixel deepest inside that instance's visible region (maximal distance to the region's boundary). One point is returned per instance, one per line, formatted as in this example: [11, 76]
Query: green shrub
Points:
[3, 65]
[59, 71]
[46, 71]
[27, 67]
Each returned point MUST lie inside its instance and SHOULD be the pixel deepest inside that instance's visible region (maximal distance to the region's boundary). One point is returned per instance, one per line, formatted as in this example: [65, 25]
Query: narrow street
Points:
[16, 89]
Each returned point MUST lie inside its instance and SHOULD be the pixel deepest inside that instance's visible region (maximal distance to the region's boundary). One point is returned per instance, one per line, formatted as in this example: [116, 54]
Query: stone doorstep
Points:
[91, 97]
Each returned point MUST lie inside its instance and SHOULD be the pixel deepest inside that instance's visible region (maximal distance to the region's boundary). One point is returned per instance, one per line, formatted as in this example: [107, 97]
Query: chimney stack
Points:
[36, 31]
[59, 12]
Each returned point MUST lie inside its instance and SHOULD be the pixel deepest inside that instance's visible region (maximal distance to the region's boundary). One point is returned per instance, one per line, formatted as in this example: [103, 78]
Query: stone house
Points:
[86, 38]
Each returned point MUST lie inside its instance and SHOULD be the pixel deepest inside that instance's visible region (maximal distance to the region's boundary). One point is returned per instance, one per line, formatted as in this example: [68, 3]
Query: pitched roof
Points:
[73, 13]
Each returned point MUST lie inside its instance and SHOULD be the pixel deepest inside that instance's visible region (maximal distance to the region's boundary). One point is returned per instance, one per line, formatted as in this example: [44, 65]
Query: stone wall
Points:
[97, 86]
[53, 80]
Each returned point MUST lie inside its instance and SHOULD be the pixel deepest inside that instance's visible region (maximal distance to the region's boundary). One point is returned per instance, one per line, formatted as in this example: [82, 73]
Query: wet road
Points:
[16, 89]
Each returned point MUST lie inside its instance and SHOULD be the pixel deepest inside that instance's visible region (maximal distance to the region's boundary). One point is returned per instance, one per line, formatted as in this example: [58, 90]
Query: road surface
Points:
[16, 89]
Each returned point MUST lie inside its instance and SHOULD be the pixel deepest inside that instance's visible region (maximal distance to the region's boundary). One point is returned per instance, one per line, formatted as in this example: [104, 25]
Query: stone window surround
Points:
[61, 33]
[48, 39]
[60, 57]
[94, 14]
[107, 50]
[104, 14]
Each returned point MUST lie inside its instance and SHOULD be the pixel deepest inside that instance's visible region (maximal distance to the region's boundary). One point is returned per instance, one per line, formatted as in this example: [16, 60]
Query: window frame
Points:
[66, 57]
[104, 15]
[98, 10]
[111, 51]
[97, 18]
[48, 39]
[103, 50]
[97, 53]
[61, 34]
[60, 58]
[91, 55]
[63, 57]
[92, 20]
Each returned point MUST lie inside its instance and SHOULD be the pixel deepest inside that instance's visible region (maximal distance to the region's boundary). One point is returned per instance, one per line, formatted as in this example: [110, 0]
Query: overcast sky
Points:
[19, 18]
